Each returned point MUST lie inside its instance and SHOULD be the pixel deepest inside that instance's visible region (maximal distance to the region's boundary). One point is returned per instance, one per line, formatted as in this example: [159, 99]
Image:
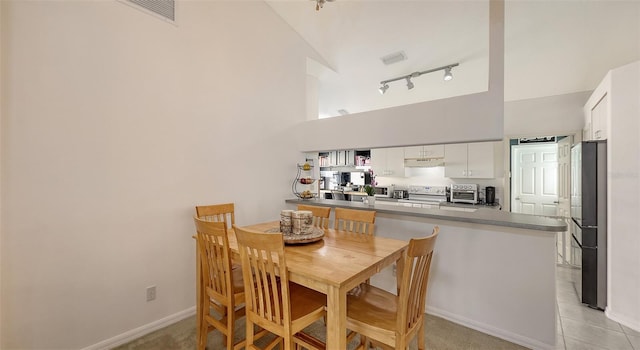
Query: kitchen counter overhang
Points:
[484, 216]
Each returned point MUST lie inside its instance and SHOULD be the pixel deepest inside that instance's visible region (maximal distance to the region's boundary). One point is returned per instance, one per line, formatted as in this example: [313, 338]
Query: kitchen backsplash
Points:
[435, 177]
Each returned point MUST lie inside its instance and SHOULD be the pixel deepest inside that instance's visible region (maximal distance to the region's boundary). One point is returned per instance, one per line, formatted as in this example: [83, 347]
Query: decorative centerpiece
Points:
[297, 227]
[370, 190]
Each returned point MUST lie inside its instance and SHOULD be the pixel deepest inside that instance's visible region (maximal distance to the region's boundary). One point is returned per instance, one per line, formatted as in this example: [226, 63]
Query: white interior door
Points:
[564, 195]
[534, 180]
[564, 176]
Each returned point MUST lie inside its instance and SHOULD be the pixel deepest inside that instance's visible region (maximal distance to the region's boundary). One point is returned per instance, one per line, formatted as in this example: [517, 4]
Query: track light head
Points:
[447, 74]
[383, 88]
[409, 83]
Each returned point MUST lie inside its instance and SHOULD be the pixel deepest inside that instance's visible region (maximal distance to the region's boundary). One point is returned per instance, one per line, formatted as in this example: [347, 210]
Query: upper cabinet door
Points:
[421, 152]
[388, 161]
[413, 152]
[599, 118]
[455, 160]
[480, 160]
[470, 160]
[395, 161]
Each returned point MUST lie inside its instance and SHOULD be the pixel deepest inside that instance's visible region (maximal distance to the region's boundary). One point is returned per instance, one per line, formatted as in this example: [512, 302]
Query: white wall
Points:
[546, 116]
[114, 125]
[468, 118]
[623, 148]
[2, 73]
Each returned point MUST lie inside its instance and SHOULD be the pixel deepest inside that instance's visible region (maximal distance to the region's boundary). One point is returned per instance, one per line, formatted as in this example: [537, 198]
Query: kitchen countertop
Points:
[483, 215]
[445, 204]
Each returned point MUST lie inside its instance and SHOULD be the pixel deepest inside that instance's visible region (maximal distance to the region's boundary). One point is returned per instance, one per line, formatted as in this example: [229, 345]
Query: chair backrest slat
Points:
[320, 214]
[264, 254]
[415, 277]
[354, 220]
[218, 213]
[215, 260]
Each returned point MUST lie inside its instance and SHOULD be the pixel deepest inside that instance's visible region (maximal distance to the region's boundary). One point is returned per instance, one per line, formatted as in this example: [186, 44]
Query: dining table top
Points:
[339, 259]
[332, 265]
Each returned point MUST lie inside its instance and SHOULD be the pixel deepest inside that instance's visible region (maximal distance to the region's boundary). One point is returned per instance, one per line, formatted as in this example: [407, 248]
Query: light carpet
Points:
[440, 335]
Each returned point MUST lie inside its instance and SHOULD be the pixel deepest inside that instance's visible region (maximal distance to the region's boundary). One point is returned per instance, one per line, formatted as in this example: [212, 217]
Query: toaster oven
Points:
[383, 191]
[464, 193]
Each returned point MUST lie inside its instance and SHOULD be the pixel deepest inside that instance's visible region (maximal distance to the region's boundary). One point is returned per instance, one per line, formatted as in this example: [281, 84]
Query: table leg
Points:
[336, 318]
[399, 271]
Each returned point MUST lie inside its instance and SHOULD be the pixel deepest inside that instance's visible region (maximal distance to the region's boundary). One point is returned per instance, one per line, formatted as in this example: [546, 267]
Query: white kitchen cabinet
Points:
[422, 152]
[597, 110]
[586, 132]
[470, 160]
[599, 118]
[339, 158]
[388, 161]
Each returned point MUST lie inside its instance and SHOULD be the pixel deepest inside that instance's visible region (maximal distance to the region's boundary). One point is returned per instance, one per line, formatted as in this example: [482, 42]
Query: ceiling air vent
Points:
[394, 58]
[163, 8]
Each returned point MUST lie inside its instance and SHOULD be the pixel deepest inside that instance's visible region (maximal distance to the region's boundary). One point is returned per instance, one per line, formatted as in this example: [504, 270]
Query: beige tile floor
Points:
[583, 328]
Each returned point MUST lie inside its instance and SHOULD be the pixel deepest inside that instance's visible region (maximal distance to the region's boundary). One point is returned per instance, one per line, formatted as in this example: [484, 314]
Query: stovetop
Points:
[436, 194]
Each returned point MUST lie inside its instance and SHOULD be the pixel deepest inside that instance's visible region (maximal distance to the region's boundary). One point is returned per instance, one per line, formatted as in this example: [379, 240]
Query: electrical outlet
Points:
[151, 293]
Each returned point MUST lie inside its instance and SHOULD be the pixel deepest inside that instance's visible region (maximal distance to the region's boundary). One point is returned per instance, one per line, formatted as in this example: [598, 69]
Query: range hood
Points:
[423, 162]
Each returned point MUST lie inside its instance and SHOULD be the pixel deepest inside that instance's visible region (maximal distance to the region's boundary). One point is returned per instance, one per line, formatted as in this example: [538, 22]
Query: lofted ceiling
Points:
[551, 47]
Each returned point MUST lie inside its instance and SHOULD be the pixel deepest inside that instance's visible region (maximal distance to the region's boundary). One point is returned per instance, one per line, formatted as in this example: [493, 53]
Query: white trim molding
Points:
[142, 330]
[487, 329]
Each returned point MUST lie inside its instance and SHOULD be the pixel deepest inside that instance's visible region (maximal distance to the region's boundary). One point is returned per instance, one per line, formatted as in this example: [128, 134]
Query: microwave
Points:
[464, 193]
[383, 191]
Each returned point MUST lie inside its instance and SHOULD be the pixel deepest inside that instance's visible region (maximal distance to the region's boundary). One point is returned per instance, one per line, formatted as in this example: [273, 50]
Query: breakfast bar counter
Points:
[485, 216]
[492, 270]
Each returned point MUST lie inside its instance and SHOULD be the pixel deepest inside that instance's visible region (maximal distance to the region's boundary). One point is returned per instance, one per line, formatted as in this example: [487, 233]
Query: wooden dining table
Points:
[333, 265]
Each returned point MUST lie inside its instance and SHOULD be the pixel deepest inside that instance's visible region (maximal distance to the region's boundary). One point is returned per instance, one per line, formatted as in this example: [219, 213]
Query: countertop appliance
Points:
[400, 194]
[383, 191]
[589, 221]
[464, 193]
[490, 195]
[424, 196]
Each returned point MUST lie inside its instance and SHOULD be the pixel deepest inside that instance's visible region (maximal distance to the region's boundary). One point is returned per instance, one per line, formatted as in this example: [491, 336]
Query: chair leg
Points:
[249, 334]
[225, 316]
[231, 320]
[204, 327]
[421, 337]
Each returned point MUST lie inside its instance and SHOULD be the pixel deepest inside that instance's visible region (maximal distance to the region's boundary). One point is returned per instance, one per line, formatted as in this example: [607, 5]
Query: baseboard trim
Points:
[623, 320]
[484, 328]
[143, 330]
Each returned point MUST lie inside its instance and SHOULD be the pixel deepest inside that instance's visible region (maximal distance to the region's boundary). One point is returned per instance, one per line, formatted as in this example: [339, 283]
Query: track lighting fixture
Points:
[320, 3]
[447, 76]
[383, 88]
[409, 83]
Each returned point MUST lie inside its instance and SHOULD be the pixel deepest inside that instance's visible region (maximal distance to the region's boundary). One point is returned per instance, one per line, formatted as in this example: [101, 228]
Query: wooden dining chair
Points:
[218, 212]
[320, 214]
[354, 220]
[223, 285]
[391, 321]
[281, 307]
